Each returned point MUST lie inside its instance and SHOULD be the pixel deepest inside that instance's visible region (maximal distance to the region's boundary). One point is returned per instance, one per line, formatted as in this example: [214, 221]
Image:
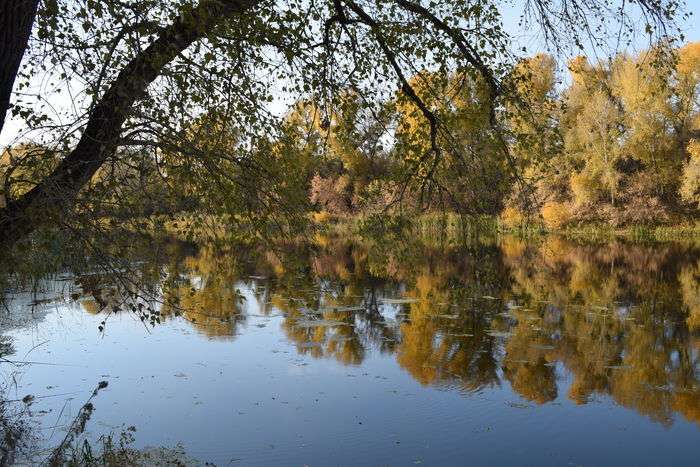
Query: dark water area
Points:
[506, 352]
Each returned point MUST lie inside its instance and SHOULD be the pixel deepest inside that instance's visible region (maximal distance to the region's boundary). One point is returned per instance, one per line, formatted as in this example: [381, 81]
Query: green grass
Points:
[439, 227]
[636, 233]
[442, 227]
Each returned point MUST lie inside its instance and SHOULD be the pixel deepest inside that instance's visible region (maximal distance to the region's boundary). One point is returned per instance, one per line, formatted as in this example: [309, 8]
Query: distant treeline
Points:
[614, 142]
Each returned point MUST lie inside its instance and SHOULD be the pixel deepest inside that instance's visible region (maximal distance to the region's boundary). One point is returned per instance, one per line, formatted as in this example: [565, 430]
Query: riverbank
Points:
[442, 227]
[431, 227]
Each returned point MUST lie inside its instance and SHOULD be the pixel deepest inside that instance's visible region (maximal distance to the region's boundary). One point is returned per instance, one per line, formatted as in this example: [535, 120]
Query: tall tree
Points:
[16, 18]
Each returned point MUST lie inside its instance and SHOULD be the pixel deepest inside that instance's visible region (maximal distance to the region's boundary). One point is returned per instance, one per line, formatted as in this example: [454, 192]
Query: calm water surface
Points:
[508, 353]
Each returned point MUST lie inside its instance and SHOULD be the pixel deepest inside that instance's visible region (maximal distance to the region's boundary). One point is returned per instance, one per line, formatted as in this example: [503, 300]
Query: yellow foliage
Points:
[583, 189]
[688, 405]
[276, 263]
[90, 306]
[321, 240]
[536, 77]
[555, 215]
[554, 250]
[690, 292]
[693, 320]
[512, 217]
[690, 179]
[578, 67]
[689, 60]
[321, 217]
[513, 247]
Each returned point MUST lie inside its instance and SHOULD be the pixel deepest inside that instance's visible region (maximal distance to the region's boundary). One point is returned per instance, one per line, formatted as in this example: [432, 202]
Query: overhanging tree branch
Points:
[101, 135]
[406, 87]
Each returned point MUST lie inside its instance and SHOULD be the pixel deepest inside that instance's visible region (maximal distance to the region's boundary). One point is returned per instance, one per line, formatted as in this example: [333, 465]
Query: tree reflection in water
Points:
[622, 319]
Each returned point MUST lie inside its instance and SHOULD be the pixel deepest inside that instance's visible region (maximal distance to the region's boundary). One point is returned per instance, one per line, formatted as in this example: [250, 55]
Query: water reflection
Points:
[621, 320]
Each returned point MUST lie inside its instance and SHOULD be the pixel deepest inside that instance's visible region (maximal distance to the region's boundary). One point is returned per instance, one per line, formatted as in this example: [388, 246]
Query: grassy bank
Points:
[635, 233]
[431, 227]
[449, 227]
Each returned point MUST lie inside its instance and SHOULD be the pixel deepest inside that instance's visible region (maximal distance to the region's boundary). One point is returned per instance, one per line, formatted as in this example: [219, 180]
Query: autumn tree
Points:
[621, 146]
[137, 73]
[471, 174]
[535, 143]
[351, 147]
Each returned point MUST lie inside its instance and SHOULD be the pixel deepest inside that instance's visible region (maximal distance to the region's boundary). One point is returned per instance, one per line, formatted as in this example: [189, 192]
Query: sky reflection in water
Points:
[546, 353]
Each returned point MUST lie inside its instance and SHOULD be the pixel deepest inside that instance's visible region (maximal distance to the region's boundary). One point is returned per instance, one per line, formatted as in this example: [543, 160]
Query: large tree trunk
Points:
[56, 194]
[16, 19]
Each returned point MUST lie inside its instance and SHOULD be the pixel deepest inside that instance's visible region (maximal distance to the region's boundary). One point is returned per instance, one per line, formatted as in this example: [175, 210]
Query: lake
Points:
[344, 352]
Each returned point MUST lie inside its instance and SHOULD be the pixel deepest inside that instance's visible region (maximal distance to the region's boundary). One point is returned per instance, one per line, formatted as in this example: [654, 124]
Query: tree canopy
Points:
[188, 91]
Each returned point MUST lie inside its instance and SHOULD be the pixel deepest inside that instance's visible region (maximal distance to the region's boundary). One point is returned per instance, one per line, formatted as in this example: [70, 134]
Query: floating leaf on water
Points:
[309, 345]
[617, 367]
[341, 309]
[314, 323]
[518, 405]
